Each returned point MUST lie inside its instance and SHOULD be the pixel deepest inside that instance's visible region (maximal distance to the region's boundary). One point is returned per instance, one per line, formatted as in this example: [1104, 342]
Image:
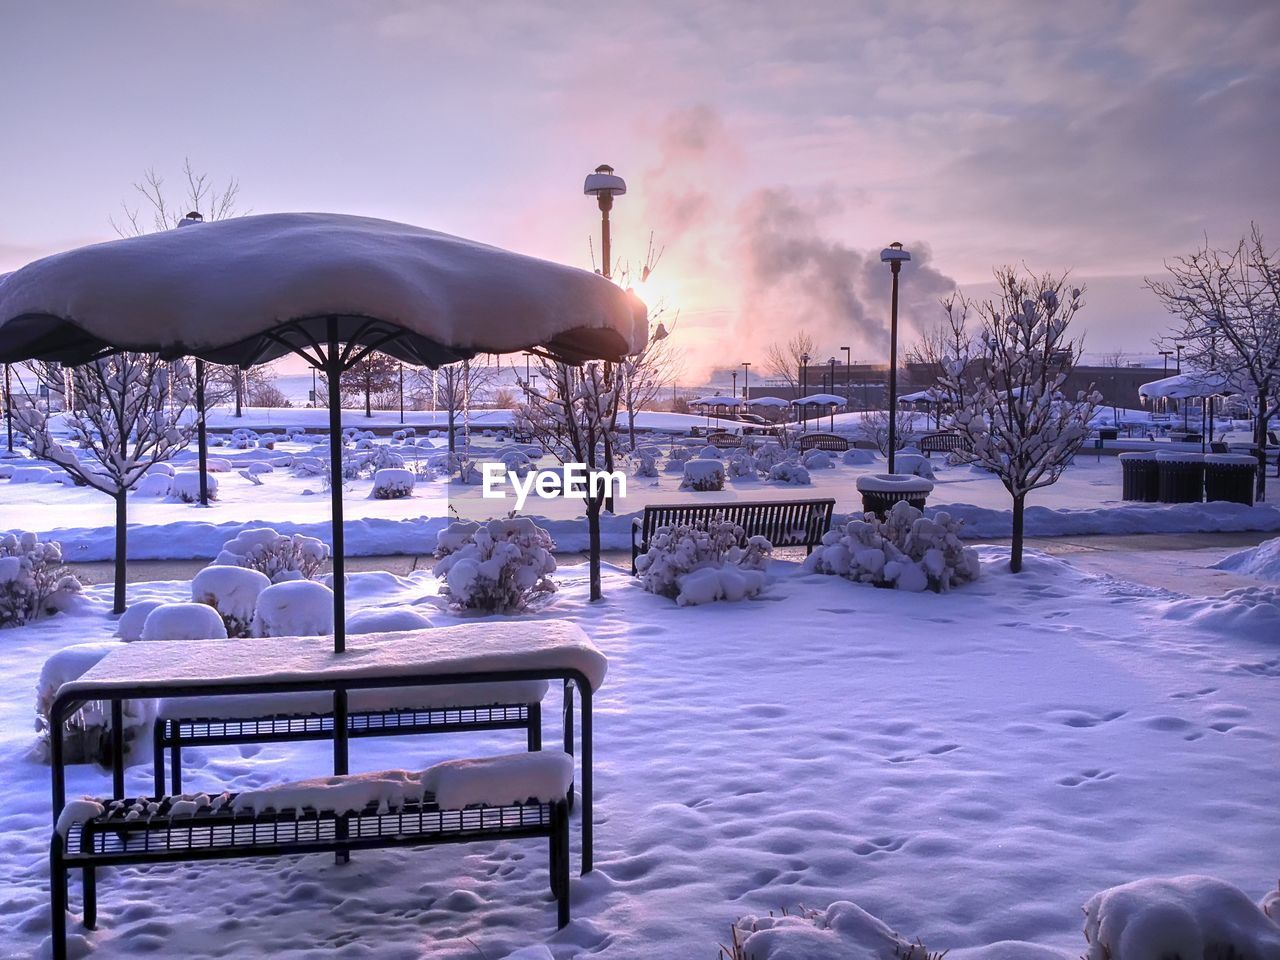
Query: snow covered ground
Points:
[1085, 501]
[970, 767]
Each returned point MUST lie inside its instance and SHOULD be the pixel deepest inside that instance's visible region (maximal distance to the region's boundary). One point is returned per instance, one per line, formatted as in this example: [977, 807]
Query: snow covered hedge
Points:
[392, 483]
[279, 556]
[703, 475]
[905, 550]
[33, 581]
[294, 608]
[496, 567]
[703, 562]
[233, 592]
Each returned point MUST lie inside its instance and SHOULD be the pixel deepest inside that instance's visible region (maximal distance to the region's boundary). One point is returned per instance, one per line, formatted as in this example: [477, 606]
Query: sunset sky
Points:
[773, 149]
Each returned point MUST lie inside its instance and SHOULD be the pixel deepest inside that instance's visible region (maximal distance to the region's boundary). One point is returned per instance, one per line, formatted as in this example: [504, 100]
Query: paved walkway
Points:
[1172, 561]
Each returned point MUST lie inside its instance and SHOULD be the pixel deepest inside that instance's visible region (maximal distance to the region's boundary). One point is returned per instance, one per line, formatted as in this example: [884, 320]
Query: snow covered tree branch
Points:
[1021, 427]
[125, 415]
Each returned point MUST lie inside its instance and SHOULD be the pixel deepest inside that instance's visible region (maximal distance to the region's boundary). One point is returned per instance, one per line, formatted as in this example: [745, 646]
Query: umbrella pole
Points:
[202, 436]
[333, 373]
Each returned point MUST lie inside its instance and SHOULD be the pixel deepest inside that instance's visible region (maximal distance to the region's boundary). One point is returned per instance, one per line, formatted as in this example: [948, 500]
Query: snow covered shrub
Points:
[392, 484]
[496, 567]
[129, 626]
[280, 556]
[233, 592]
[817, 460]
[1181, 918]
[183, 621]
[741, 465]
[644, 465]
[164, 468]
[703, 475]
[842, 930]
[856, 457]
[185, 486]
[86, 734]
[703, 561]
[154, 485]
[218, 465]
[709, 452]
[790, 474]
[383, 458]
[905, 550]
[679, 454]
[387, 620]
[769, 456]
[30, 475]
[33, 581]
[295, 608]
[916, 464]
[6, 471]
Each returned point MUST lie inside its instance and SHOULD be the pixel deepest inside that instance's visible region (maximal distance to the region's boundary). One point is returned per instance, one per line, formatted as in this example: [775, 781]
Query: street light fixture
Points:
[604, 186]
[848, 377]
[746, 380]
[895, 256]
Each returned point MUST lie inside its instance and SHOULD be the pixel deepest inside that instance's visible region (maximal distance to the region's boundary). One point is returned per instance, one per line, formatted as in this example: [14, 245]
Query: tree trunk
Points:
[451, 429]
[1015, 551]
[368, 402]
[1260, 441]
[122, 546]
[239, 389]
[593, 532]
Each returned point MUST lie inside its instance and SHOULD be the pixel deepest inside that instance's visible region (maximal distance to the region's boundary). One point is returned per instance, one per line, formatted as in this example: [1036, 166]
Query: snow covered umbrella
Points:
[327, 287]
[830, 400]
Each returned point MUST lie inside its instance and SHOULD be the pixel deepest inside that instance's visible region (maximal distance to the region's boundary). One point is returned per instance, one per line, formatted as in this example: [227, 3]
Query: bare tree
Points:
[930, 357]
[160, 209]
[1115, 358]
[1020, 426]
[452, 388]
[783, 361]
[1228, 302]
[572, 413]
[125, 412]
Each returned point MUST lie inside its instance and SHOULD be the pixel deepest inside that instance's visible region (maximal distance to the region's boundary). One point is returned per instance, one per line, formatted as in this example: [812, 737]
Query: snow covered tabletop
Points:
[1235, 459]
[545, 646]
[1180, 456]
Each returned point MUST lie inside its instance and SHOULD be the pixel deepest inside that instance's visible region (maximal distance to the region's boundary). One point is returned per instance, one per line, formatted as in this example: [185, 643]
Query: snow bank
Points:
[844, 931]
[1242, 612]
[294, 608]
[233, 592]
[1185, 917]
[1262, 561]
[183, 621]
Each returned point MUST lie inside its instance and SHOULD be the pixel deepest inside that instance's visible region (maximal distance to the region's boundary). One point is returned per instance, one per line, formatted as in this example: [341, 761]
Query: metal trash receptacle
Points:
[1181, 476]
[1230, 477]
[1141, 475]
[880, 491]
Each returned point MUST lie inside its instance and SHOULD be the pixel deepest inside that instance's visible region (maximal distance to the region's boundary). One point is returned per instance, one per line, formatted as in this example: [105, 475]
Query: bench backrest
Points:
[784, 523]
[724, 439]
[822, 441]
[944, 442]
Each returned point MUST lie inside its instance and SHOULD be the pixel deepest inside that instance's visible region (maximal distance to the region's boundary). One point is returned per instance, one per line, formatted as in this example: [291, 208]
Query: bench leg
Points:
[157, 758]
[568, 728]
[560, 863]
[89, 880]
[175, 765]
[535, 727]
[57, 899]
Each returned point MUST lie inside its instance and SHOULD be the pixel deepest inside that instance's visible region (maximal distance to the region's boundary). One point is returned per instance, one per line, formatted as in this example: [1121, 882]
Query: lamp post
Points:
[1166, 354]
[895, 256]
[746, 384]
[1179, 347]
[604, 186]
[804, 382]
[848, 377]
[202, 436]
[734, 391]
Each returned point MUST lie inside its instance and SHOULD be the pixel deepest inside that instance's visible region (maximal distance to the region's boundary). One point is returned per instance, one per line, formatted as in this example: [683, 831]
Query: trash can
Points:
[1181, 476]
[880, 491]
[1141, 476]
[1108, 433]
[1230, 477]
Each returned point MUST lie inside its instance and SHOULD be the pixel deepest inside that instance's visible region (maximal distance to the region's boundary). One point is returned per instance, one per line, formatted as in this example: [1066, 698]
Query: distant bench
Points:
[822, 441]
[724, 440]
[444, 804]
[932, 443]
[784, 523]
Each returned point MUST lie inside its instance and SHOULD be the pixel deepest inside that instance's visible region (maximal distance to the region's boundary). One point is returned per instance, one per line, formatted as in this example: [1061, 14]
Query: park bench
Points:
[724, 440]
[276, 718]
[784, 523]
[821, 441]
[453, 802]
[932, 443]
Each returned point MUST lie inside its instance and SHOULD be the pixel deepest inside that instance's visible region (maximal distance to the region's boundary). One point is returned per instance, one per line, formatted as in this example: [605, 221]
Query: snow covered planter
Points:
[1182, 918]
[185, 486]
[392, 483]
[33, 581]
[703, 475]
[232, 592]
[789, 473]
[703, 562]
[843, 931]
[880, 491]
[280, 556]
[905, 550]
[295, 608]
[495, 567]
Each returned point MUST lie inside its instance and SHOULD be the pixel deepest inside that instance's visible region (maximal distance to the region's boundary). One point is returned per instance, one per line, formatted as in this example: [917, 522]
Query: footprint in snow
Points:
[1079, 719]
[1193, 694]
[1086, 776]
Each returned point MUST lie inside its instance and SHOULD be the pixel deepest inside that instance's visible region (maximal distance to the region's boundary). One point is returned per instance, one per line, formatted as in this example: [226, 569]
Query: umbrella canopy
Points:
[820, 399]
[1185, 386]
[768, 402]
[250, 289]
[328, 287]
[716, 401]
